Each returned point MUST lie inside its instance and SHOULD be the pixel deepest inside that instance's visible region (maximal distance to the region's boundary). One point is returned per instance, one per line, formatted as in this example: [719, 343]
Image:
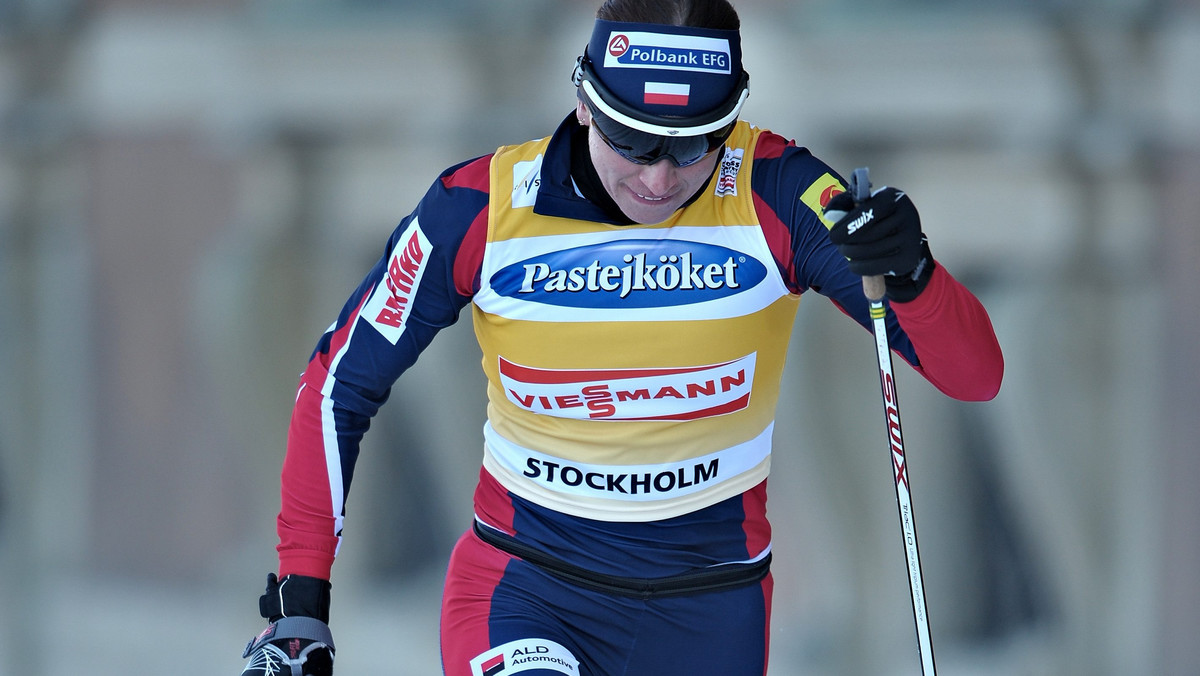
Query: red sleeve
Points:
[311, 489]
[953, 338]
[308, 532]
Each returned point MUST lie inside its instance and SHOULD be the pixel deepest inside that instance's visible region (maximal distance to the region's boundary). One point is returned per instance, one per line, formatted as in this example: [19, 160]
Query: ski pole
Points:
[874, 288]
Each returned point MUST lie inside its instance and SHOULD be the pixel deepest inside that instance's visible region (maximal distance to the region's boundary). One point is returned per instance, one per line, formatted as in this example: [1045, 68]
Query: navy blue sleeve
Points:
[408, 295]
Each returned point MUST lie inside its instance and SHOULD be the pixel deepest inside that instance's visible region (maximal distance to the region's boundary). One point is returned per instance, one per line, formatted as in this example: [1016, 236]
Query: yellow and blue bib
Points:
[633, 370]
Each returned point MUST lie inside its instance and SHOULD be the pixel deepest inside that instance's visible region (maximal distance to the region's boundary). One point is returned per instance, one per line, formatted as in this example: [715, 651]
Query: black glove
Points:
[298, 641]
[882, 236]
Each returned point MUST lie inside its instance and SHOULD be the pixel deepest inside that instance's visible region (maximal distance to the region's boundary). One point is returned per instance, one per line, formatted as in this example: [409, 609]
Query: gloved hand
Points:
[298, 641]
[882, 236]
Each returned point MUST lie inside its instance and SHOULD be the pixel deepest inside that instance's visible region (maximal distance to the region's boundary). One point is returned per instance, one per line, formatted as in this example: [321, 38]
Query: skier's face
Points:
[646, 193]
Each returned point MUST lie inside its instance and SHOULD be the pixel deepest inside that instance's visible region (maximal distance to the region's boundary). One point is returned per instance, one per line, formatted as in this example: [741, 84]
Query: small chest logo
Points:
[731, 166]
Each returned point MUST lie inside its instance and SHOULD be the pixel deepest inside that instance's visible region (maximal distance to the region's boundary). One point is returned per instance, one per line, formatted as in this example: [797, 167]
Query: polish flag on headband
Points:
[667, 93]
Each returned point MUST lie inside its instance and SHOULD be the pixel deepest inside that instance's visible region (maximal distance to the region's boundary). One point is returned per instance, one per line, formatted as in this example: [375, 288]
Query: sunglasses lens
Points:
[644, 148]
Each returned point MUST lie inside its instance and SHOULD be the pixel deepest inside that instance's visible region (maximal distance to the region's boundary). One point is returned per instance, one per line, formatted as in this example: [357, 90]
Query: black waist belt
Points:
[717, 578]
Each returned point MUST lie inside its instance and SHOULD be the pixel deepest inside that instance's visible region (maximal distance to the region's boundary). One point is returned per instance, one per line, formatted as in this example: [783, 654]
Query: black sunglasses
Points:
[642, 147]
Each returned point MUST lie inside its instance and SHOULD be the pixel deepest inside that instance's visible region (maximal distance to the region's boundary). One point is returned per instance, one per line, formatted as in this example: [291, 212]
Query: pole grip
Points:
[874, 288]
[860, 186]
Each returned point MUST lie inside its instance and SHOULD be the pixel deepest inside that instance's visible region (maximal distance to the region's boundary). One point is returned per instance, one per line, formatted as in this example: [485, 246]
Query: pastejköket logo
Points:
[639, 273]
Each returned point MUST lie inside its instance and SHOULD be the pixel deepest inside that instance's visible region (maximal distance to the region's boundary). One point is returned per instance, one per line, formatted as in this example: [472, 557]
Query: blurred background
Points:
[190, 189]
